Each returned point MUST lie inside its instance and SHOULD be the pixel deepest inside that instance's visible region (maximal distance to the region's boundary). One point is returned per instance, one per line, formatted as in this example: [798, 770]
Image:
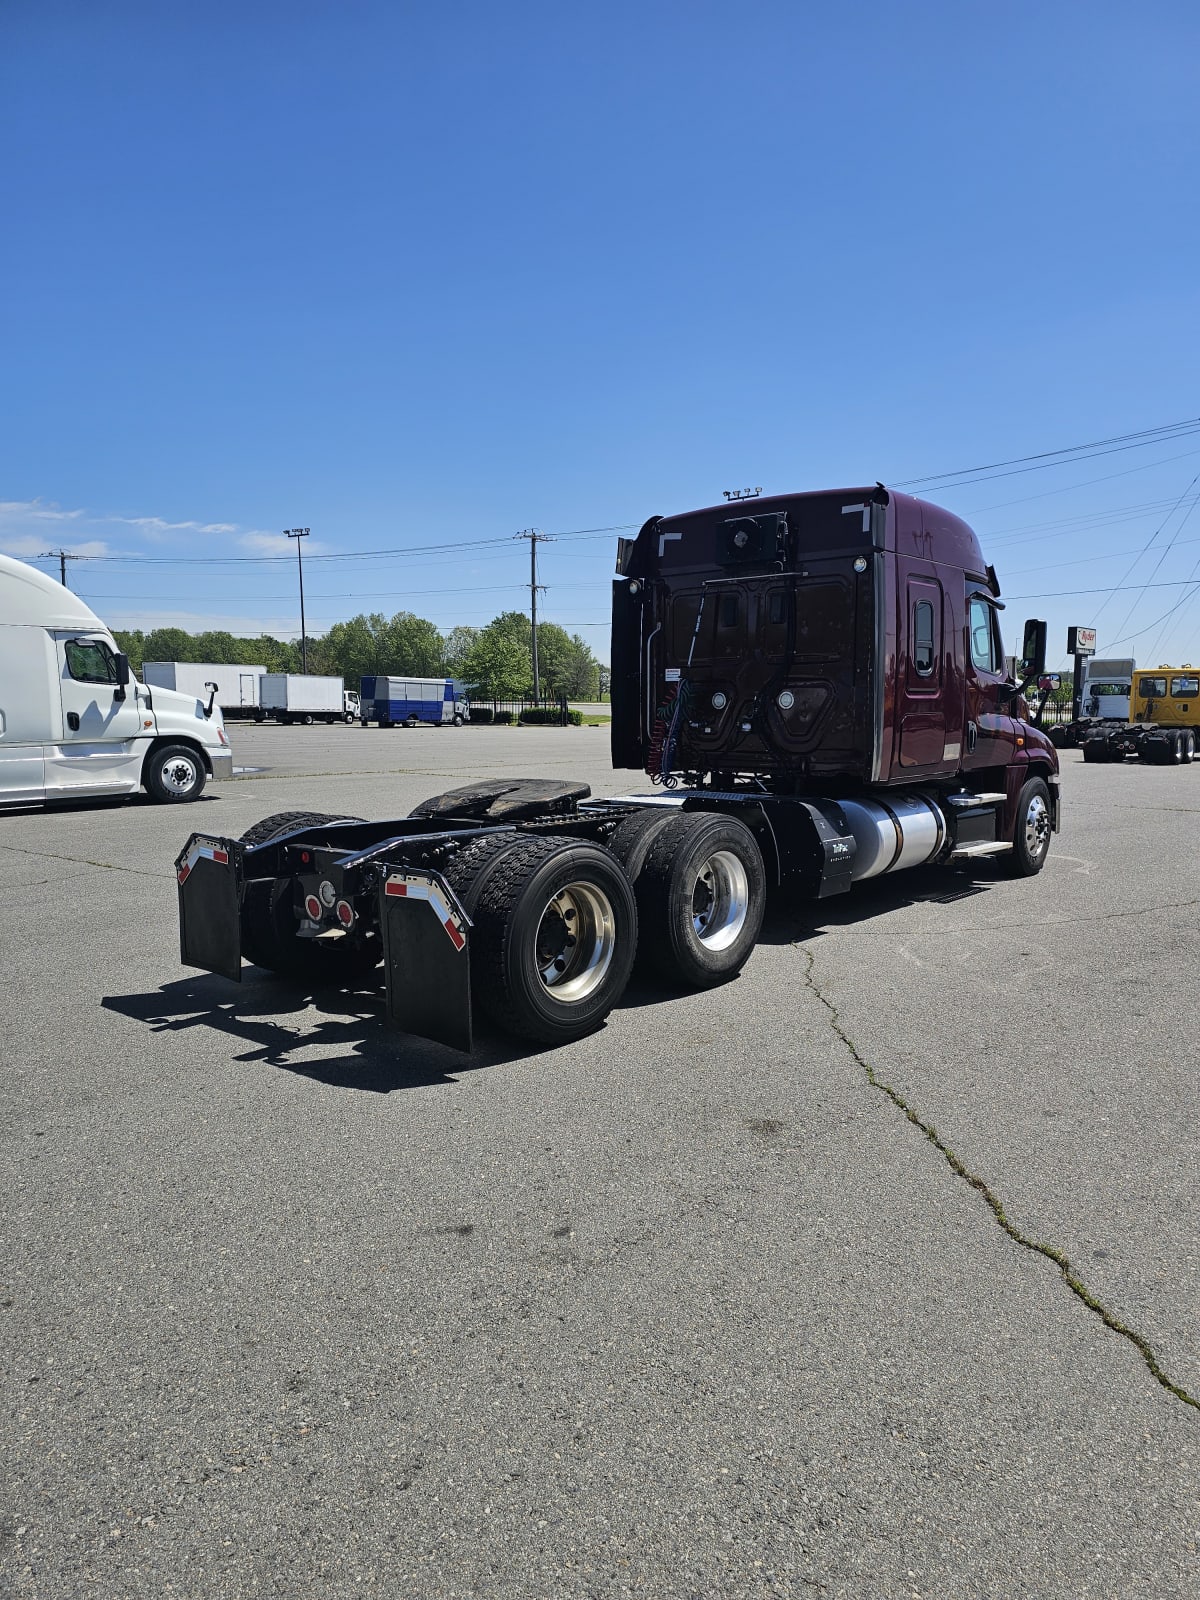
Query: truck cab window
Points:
[980, 621]
[1185, 687]
[1152, 688]
[90, 661]
[922, 635]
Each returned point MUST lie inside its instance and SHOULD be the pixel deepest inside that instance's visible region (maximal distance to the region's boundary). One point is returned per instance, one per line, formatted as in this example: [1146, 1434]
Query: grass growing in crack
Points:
[1052, 1253]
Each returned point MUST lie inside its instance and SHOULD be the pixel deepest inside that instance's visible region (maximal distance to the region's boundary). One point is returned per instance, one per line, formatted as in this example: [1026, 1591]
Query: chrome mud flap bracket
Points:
[426, 956]
[208, 885]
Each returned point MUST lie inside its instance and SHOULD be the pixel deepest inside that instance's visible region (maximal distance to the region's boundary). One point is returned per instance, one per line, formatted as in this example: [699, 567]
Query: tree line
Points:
[494, 661]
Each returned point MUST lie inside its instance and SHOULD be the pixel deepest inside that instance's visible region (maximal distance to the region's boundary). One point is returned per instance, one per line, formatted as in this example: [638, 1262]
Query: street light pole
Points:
[298, 534]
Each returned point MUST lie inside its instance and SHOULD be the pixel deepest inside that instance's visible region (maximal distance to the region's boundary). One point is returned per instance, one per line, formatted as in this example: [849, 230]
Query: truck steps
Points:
[988, 847]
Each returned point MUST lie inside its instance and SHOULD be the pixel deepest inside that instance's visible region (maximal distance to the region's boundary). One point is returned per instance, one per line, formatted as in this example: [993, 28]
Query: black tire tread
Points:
[498, 881]
[656, 951]
[282, 822]
[635, 834]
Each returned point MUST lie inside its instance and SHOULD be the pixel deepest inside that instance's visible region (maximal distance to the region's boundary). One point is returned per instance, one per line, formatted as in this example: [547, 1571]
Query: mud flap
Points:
[426, 959]
[210, 929]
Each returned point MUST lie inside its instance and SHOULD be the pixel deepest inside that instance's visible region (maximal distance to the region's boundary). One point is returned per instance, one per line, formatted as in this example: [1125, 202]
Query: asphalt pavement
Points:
[873, 1273]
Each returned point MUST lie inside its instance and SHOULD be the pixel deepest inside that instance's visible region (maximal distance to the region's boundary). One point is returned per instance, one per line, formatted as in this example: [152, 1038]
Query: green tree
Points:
[131, 642]
[414, 646]
[457, 646]
[169, 644]
[497, 665]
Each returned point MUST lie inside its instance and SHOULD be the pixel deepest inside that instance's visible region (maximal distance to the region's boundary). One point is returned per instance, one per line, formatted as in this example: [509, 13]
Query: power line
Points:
[535, 539]
[1117, 441]
[62, 557]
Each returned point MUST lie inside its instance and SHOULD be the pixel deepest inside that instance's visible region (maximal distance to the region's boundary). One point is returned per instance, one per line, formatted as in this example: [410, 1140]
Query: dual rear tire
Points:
[701, 892]
[554, 932]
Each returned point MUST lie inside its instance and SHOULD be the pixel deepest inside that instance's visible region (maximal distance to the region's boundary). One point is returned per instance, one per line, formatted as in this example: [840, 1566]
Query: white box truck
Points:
[303, 697]
[75, 722]
[238, 687]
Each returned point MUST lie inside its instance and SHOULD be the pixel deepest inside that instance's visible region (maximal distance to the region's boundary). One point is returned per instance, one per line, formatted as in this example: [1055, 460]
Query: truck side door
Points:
[98, 748]
[990, 737]
[921, 712]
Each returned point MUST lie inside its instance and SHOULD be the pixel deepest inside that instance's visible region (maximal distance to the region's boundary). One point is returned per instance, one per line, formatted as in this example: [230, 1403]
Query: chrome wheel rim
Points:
[1037, 826]
[720, 900]
[178, 775]
[575, 940]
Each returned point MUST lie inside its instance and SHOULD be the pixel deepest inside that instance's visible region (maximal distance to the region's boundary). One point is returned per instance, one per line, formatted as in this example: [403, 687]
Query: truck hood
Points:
[184, 713]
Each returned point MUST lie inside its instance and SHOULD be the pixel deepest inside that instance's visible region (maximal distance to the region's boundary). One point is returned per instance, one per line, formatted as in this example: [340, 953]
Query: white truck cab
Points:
[75, 722]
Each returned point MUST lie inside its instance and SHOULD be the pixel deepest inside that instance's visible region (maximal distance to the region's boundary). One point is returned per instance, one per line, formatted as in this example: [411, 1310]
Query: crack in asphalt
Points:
[1051, 1252]
[84, 861]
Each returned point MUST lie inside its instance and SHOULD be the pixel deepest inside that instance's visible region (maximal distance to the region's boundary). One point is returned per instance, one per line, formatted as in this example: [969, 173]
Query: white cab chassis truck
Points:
[75, 722]
[307, 698]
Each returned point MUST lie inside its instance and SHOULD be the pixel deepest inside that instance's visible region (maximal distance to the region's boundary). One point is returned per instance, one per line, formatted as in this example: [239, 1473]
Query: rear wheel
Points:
[271, 930]
[1031, 832]
[1189, 745]
[554, 935]
[701, 895]
[633, 836]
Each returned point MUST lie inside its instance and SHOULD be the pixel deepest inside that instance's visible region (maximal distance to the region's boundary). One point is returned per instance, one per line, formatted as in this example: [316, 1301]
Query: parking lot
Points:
[739, 1296]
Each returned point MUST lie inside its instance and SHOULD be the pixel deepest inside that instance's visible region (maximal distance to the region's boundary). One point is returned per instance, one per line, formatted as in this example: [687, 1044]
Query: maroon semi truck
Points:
[816, 686]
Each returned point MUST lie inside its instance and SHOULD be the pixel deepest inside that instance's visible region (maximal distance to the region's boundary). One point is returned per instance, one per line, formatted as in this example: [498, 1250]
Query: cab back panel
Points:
[757, 640]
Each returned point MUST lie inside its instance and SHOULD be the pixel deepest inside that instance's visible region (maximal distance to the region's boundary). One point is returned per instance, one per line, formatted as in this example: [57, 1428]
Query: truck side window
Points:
[982, 637]
[90, 661]
[1185, 687]
[923, 638]
[1152, 688]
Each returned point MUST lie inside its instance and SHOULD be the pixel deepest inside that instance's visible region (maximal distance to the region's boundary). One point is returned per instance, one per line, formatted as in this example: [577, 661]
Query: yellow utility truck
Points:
[1164, 720]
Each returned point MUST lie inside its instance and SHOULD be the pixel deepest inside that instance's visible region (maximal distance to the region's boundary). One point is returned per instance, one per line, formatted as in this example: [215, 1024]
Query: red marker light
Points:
[345, 914]
[313, 906]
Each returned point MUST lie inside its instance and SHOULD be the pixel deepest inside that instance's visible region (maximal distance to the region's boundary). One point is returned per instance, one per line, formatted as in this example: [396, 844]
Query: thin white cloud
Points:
[278, 544]
[35, 511]
[26, 545]
[241, 627]
[156, 526]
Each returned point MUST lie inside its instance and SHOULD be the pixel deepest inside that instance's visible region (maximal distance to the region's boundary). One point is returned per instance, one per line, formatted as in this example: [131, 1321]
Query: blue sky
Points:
[419, 277]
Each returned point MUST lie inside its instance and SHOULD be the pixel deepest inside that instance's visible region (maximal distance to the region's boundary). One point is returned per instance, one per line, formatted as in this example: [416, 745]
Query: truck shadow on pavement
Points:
[367, 1054]
[351, 1045]
[792, 918]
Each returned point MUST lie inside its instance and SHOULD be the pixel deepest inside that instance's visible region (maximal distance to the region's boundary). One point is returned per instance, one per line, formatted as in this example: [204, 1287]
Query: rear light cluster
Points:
[318, 905]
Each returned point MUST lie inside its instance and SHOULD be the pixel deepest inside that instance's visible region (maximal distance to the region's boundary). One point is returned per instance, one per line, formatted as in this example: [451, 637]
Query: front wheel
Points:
[1031, 832]
[173, 774]
[458, 719]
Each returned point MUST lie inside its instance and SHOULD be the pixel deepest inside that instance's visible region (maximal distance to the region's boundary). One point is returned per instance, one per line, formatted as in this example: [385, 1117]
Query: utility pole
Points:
[535, 538]
[62, 557]
[298, 534]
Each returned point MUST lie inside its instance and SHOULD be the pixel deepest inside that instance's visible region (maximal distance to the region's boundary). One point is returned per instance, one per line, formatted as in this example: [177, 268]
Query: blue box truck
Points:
[405, 702]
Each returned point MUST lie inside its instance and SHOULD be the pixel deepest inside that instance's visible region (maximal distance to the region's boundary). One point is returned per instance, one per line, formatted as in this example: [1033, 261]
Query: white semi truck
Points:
[75, 722]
